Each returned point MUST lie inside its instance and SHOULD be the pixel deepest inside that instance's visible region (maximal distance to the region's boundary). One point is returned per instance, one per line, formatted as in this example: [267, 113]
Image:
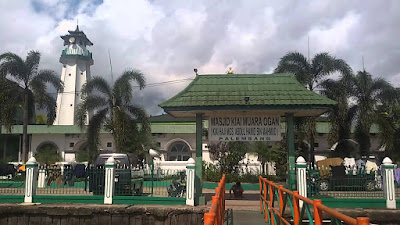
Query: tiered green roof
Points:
[275, 92]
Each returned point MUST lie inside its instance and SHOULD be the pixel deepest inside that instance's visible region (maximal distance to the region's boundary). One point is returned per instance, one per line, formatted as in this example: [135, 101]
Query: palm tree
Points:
[310, 73]
[113, 109]
[389, 127]
[10, 101]
[388, 121]
[263, 151]
[368, 94]
[33, 82]
[342, 114]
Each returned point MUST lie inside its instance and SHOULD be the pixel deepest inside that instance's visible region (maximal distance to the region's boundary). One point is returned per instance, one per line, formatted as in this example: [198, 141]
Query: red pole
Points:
[296, 208]
[362, 221]
[317, 212]
[265, 199]
[215, 200]
[209, 218]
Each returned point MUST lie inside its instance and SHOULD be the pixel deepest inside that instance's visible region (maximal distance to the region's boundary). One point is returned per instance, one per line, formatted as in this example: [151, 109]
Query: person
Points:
[237, 190]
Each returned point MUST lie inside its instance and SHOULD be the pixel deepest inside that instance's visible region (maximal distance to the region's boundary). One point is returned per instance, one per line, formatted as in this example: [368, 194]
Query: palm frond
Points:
[32, 64]
[14, 65]
[322, 65]
[51, 77]
[139, 115]
[89, 103]
[344, 69]
[97, 84]
[94, 127]
[122, 86]
[45, 101]
[296, 63]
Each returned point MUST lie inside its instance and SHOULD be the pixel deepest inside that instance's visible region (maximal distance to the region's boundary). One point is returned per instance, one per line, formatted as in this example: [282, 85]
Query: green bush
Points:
[212, 173]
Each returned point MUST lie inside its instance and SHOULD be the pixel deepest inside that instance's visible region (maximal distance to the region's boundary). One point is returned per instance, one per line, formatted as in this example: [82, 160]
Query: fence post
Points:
[190, 176]
[109, 183]
[31, 179]
[301, 167]
[388, 182]
[42, 177]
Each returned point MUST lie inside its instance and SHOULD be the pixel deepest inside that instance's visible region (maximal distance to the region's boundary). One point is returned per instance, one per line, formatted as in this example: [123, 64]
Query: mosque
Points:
[176, 137]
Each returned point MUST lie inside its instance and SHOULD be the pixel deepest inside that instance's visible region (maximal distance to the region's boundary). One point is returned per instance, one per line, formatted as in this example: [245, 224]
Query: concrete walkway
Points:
[244, 211]
[247, 218]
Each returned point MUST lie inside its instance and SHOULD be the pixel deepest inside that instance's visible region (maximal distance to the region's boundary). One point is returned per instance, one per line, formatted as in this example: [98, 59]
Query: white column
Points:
[42, 178]
[301, 177]
[190, 175]
[109, 184]
[388, 183]
[31, 179]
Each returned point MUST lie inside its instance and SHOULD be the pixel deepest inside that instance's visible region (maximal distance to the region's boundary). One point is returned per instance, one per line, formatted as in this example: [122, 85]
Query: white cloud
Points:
[167, 39]
[335, 37]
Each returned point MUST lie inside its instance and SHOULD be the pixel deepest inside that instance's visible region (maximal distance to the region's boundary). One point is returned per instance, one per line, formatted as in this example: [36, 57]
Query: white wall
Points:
[62, 141]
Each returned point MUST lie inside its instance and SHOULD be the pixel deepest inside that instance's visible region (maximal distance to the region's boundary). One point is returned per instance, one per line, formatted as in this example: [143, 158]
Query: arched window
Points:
[179, 151]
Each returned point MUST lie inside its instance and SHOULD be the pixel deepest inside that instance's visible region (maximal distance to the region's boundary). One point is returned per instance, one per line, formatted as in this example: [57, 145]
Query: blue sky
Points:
[167, 39]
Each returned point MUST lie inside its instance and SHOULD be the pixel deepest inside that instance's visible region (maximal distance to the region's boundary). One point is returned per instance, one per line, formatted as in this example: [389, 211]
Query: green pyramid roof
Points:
[280, 93]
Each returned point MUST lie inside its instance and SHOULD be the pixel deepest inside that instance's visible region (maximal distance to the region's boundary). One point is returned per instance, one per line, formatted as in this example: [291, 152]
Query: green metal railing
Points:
[56, 184]
[13, 185]
[128, 182]
[160, 183]
[349, 185]
[57, 181]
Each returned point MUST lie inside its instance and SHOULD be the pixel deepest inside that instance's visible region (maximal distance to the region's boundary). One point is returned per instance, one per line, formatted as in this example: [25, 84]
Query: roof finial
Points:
[230, 71]
[77, 25]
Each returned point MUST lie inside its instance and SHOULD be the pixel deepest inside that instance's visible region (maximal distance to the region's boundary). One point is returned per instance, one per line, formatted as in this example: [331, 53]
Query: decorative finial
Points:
[77, 25]
[230, 71]
[195, 71]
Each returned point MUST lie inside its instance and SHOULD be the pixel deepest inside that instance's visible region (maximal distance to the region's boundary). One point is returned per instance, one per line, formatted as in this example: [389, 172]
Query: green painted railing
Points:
[131, 186]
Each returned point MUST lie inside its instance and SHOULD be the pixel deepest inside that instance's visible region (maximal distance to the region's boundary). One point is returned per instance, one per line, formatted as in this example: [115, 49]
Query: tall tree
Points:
[368, 93]
[341, 116]
[10, 101]
[310, 72]
[113, 109]
[388, 121]
[34, 83]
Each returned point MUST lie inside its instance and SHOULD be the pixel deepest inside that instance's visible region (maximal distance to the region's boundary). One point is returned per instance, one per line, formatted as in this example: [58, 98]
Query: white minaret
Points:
[76, 60]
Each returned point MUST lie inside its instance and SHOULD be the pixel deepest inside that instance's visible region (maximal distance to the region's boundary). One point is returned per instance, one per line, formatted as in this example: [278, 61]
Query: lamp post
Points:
[153, 153]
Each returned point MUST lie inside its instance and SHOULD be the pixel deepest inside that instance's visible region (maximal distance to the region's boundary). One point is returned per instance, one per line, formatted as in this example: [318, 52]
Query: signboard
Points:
[244, 128]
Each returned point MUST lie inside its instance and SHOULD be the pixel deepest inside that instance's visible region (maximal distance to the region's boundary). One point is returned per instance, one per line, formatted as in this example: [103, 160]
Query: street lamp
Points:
[153, 153]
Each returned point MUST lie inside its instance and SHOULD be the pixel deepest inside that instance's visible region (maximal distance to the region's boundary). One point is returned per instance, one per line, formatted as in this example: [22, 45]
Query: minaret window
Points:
[69, 74]
[81, 73]
[71, 105]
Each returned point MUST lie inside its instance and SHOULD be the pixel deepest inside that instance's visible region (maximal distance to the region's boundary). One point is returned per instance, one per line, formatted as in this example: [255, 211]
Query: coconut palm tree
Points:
[341, 116]
[33, 82]
[388, 121]
[114, 110]
[369, 93]
[10, 101]
[310, 72]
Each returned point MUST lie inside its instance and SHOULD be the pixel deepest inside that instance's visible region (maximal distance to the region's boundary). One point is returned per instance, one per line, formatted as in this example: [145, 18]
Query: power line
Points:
[137, 86]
